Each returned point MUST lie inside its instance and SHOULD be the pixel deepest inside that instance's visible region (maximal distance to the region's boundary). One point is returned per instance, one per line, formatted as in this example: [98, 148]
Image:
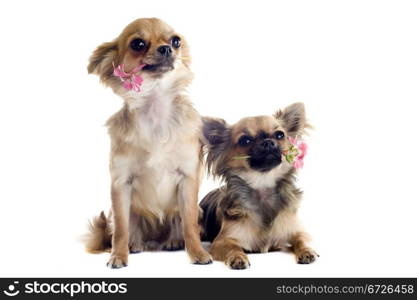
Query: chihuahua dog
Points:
[156, 148]
[256, 209]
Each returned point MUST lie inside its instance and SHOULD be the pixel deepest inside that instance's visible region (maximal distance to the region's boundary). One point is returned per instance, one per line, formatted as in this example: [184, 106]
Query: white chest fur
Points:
[252, 238]
[251, 234]
[265, 180]
[161, 149]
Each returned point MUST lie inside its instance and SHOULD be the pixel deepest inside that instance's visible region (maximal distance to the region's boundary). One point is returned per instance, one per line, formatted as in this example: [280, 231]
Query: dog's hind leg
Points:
[135, 234]
[176, 238]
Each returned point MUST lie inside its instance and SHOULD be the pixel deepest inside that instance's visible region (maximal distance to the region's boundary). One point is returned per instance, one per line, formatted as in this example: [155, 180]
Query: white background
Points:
[353, 63]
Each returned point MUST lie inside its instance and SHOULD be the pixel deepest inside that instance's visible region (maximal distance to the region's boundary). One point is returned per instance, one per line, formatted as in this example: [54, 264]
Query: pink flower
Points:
[130, 80]
[296, 153]
[298, 163]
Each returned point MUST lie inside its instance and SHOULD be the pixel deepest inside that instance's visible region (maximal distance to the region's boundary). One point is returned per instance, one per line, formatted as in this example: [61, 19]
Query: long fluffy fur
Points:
[254, 211]
[98, 238]
[155, 159]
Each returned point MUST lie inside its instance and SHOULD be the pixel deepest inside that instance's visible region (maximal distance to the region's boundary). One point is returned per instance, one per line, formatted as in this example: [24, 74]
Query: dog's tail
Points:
[210, 221]
[98, 237]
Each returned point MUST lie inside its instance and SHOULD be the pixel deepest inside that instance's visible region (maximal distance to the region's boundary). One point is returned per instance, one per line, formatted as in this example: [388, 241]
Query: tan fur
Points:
[99, 237]
[155, 162]
[228, 250]
[304, 254]
[254, 238]
[246, 235]
[252, 126]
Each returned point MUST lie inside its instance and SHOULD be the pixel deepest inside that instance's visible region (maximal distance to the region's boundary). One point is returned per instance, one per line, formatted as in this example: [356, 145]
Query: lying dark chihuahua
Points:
[256, 210]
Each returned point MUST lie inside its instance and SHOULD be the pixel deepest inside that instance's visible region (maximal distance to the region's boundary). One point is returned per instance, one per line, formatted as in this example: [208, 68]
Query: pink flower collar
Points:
[130, 80]
[295, 153]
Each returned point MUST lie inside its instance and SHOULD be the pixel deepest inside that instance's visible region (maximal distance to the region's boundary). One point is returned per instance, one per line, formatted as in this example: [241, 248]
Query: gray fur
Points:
[293, 118]
[218, 139]
[236, 200]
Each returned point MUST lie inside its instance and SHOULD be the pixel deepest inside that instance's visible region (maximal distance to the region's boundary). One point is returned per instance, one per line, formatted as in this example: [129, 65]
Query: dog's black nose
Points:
[165, 50]
[268, 144]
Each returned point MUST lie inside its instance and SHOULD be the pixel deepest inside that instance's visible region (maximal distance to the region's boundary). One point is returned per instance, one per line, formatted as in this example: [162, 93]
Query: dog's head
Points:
[149, 42]
[254, 144]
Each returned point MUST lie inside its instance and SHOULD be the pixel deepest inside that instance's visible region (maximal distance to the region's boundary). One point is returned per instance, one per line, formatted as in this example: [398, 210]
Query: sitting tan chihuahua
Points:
[156, 153]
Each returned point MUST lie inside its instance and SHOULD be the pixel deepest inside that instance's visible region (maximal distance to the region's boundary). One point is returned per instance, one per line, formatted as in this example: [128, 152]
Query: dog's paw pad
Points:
[117, 262]
[307, 256]
[238, 262]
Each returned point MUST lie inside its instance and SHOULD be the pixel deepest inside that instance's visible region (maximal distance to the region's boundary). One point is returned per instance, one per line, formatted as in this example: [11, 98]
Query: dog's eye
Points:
[245, 140]
[279, 135]
[137, 44]
[176, 42]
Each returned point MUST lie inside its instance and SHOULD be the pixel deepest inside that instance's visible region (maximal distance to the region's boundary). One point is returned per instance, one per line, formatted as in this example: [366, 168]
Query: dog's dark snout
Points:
[165, 50]
[268, 144]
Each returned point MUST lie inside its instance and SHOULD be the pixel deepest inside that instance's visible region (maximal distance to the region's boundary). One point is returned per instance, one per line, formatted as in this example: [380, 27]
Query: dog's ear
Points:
[293, 118]
[217, 135]
[215, 130]
[101, 61]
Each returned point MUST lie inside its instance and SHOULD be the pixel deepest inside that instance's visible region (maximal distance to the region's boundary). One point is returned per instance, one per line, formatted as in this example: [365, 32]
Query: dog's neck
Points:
[154, 101]
[266, 180]
[154, 106]
[164, 89]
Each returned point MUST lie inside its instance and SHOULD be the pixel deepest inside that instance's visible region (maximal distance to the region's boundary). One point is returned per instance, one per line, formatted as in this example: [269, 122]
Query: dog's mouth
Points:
[151, 67]
[160, 67]
[266, 164]
[265, 161]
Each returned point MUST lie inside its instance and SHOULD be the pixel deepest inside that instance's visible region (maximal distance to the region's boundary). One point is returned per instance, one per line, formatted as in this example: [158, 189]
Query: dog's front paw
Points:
[306, 256]
[117, 261]
[200, 257]
[238, 261]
